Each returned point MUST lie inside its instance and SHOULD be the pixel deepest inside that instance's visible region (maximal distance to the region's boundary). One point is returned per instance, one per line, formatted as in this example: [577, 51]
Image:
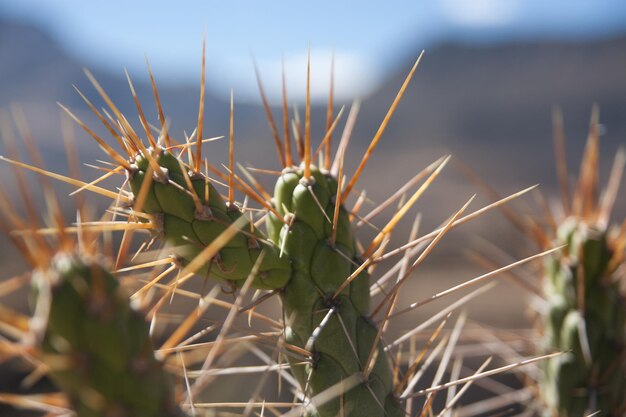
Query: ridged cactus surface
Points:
[97, 347]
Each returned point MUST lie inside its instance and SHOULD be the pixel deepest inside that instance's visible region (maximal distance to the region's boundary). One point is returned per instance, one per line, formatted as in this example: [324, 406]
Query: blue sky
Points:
[368, 37]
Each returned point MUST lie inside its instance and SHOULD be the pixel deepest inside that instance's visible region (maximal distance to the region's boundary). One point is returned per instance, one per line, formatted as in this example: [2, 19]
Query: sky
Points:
[367, 38]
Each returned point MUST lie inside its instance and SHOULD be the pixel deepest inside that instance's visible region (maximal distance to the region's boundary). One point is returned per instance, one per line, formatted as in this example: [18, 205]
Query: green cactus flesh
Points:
[189, 231]
[587, 320]
[97, 347]
[340, 347]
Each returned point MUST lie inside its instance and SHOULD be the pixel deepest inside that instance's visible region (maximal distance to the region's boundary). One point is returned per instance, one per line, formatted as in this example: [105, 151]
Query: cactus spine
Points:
[586, 317]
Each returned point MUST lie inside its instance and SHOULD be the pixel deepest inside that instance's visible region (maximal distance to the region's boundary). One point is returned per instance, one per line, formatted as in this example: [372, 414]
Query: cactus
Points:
[586, 314]
[310, 271]
[309, 256]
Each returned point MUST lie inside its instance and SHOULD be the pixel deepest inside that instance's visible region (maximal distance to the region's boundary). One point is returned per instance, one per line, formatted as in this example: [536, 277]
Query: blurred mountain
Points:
[495, 101]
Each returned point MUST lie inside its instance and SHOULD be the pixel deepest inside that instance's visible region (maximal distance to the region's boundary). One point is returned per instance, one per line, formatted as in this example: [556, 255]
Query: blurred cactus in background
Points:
[584, 289]
[83, 333]
[96, 346]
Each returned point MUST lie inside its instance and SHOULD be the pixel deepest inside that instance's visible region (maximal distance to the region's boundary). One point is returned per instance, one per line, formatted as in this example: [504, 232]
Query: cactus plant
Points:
[324, 254]
[581, 307]
[192, 218]
[586, 314]
[309, 255]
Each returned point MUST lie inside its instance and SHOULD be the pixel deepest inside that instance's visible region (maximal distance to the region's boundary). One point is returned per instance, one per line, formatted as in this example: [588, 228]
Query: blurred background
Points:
[484, 92]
